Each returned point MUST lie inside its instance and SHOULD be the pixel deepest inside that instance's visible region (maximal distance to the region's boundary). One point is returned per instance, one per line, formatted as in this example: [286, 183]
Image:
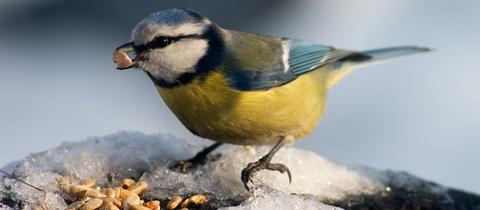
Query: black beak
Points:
[122, 56]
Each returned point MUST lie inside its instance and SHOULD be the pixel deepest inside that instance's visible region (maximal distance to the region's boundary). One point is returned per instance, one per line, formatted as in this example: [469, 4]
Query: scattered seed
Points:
[75, 205]
[185, 203]
[174, 202]
[126, 183]
[88, 183]
[111, 192]
[113, 201]
[78, 190]
[132, 199]
[94, 193]
[108, 206]
[138, 207]
[198, 199]
[138, 188]
[153, 205]
[92, 204]
[123, 193]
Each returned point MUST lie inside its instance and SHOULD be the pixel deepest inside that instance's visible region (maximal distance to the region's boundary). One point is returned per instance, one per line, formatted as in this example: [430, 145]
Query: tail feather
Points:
[366, 57]
[384, 53]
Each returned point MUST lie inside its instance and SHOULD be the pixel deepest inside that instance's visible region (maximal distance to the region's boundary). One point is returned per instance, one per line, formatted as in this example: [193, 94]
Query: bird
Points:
[238, 87]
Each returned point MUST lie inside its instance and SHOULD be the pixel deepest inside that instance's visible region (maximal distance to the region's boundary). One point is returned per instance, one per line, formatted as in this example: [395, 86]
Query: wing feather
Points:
[307, 56]
[303, 57]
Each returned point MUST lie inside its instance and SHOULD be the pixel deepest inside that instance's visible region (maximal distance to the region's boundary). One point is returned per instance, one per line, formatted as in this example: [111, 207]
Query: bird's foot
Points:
[259, 165]
[262, 164]
[200, 159]
[183, 166]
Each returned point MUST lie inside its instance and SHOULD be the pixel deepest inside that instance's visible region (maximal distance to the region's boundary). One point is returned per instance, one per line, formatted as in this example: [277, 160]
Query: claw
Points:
[246, 175]
[280, 168]
[264, 163]
[182, 166]
[254, 167]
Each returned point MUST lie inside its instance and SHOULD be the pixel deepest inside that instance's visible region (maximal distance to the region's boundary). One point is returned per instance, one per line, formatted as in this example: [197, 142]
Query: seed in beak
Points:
[122, 60]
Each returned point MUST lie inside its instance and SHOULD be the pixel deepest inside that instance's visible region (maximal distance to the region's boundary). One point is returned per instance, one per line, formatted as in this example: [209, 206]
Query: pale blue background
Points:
[420, 114]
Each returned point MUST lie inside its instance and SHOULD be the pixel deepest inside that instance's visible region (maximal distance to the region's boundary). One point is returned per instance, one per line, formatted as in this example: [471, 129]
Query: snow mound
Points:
[147, 157]
[266, 198]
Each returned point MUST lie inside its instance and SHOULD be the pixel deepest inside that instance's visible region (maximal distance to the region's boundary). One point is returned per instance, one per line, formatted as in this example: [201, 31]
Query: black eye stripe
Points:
[163, 41]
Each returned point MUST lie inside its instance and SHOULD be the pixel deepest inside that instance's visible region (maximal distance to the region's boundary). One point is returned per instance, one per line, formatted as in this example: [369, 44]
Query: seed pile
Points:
[88, 196]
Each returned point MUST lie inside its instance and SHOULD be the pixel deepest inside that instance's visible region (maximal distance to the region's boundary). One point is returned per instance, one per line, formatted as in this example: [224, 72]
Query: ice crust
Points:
[146, 157]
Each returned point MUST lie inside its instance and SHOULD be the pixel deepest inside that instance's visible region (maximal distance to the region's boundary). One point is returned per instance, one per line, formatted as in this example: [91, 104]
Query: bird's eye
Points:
[162, 42]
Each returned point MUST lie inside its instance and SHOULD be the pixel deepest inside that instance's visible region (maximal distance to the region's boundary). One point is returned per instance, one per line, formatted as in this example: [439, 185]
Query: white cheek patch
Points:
[185, 54]
[178, 58]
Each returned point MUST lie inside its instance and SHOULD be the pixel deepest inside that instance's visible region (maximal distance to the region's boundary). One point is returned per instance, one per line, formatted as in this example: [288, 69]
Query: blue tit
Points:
[241, 88]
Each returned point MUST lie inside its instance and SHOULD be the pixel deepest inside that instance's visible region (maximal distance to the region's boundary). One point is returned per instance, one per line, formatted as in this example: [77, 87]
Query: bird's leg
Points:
[199, 159]
[264, 163]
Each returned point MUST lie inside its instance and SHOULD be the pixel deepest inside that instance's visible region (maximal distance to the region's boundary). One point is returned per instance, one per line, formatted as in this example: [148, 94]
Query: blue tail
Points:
[391, 52]
[357, 59]
[385, 53]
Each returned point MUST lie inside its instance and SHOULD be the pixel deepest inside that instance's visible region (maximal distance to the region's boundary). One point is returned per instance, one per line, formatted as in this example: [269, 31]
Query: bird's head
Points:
[173, 46]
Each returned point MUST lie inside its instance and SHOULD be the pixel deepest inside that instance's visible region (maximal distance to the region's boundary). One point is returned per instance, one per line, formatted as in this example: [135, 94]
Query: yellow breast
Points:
[211, 109]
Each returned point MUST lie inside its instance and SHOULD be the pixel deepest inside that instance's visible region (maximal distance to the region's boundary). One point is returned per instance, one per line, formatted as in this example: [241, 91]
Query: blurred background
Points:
[419, 114]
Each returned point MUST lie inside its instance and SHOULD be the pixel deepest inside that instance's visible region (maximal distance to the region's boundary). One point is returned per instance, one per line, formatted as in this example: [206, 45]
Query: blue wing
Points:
[293, 58]
[304, 56]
